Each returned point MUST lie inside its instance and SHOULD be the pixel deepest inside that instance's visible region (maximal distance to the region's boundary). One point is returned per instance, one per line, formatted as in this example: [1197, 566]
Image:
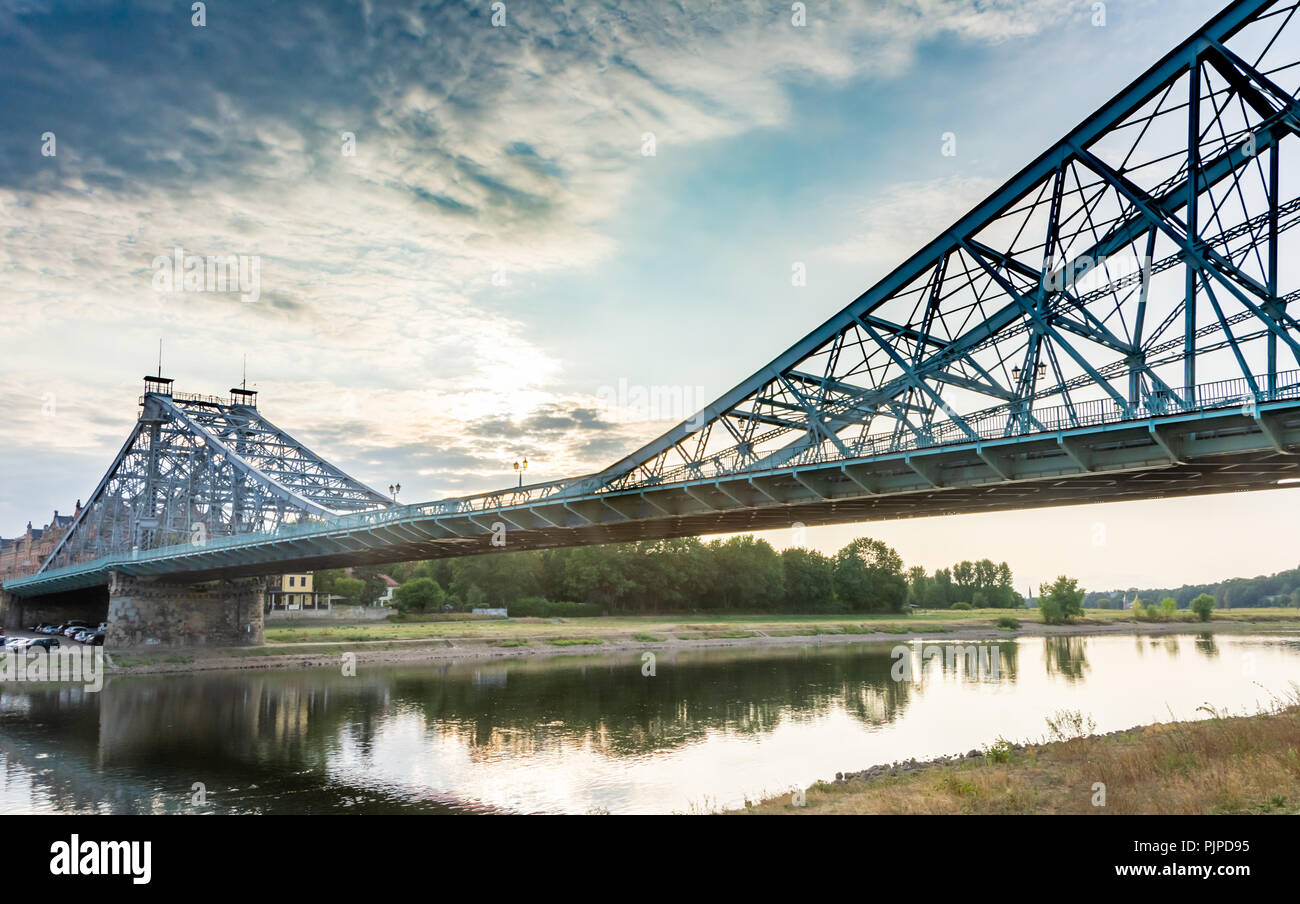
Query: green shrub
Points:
[963, 606]
[1000, 751]
[1060, 601]
[1007, 622]
[419, 595]
[1203, 605]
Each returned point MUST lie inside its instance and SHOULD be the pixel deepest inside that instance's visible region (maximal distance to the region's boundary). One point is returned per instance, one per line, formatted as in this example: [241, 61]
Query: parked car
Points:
[80, 636]
[72, 628]
[48, 643]
[96, 639]
[15, 643]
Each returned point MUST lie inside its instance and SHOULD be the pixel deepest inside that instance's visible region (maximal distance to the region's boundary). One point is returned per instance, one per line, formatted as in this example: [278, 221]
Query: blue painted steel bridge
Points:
[1113, 323]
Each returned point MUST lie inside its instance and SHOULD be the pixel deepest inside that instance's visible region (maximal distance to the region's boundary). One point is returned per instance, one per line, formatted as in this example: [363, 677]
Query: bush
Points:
[1152, 613]
[1203, 605]
[539, 607]
[963, 606]
[420, 595]
[1000, 751]
[1007, 622]
[1060, 601]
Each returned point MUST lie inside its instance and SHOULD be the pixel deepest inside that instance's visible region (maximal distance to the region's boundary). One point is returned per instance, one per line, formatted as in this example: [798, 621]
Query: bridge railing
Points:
[1008, 421]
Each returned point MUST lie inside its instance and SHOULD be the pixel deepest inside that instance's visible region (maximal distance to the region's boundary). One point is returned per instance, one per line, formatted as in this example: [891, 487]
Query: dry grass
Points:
[1247, 764]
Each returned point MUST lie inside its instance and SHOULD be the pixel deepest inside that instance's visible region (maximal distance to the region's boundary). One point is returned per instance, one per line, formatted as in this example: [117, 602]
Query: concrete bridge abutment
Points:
[10, 611]
[148, 611]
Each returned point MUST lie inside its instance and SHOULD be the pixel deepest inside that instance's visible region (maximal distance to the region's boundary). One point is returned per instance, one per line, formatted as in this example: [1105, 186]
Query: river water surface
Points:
[592, 733]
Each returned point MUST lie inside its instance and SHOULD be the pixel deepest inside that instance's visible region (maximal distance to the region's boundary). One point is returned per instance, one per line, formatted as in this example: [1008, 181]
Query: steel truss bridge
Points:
[1113, 323]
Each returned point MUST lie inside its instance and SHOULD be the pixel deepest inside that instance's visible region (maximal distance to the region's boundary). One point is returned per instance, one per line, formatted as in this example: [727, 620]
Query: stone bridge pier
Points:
[148, 611]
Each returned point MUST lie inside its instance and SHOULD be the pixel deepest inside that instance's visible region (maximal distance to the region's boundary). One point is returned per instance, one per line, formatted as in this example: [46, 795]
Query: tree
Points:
[501, 577]
[375, 585]
[869, 576]
[419, 595]
[350, 589]
[1203, 605]
[809, 579]
[601, 575]
[920, 587]
[1168, 607]
[943, 593]
[747, 573]
[326, 580]
[1060, 601]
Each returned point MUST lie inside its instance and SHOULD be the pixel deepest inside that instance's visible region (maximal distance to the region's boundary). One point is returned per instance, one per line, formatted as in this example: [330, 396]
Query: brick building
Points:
[24, 554]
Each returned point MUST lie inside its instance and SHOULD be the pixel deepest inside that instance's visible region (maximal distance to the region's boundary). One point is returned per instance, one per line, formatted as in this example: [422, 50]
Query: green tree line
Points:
[742, 573]
[1281, 589]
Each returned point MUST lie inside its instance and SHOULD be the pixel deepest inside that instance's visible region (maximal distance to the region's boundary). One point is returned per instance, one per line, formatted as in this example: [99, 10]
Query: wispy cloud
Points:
[484, 158]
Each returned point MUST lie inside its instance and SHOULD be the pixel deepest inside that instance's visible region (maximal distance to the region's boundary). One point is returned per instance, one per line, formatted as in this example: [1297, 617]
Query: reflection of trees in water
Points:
[1206, 645]
[1170, 644]
[1066, 656]
[277, 738]
[610, 705]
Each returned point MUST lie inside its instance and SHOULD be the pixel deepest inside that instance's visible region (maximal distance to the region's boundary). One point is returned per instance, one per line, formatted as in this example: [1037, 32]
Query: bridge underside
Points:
[1246, 472]
[1216, 452]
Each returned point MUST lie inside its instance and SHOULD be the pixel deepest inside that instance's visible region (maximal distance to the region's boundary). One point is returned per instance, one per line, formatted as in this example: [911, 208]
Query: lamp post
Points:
[521, 467]
[393, 490]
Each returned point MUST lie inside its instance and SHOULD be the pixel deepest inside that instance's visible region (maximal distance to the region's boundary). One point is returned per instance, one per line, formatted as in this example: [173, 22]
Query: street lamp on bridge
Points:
[521, 467]
[393, 490]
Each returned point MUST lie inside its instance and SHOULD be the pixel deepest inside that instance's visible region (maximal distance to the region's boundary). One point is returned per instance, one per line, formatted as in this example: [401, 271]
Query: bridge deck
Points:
[1186, 454]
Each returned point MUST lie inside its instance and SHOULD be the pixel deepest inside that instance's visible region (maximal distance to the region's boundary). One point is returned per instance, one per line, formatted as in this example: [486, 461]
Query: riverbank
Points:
[1221, 765]
[412, 643]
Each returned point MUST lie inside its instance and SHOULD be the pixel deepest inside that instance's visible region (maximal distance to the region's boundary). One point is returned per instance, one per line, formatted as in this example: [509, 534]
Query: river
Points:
[585, 734]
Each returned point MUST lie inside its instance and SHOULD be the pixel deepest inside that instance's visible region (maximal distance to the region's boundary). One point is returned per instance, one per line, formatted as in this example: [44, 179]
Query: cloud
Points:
[897, 223]
[484, 158]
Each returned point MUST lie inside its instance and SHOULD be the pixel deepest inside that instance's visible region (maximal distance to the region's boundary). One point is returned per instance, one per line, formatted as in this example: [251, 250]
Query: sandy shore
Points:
[415, 652]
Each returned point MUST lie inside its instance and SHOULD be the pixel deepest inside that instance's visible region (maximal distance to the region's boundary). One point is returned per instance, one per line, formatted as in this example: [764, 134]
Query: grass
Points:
[1220, 765]
[643, 637]
[574, 641]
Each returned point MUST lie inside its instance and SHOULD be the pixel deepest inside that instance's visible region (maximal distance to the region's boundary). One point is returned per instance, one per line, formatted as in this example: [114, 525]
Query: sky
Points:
[473, 235]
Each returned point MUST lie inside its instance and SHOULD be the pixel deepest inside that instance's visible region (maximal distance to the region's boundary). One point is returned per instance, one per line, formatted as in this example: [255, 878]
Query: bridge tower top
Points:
[159, 384]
